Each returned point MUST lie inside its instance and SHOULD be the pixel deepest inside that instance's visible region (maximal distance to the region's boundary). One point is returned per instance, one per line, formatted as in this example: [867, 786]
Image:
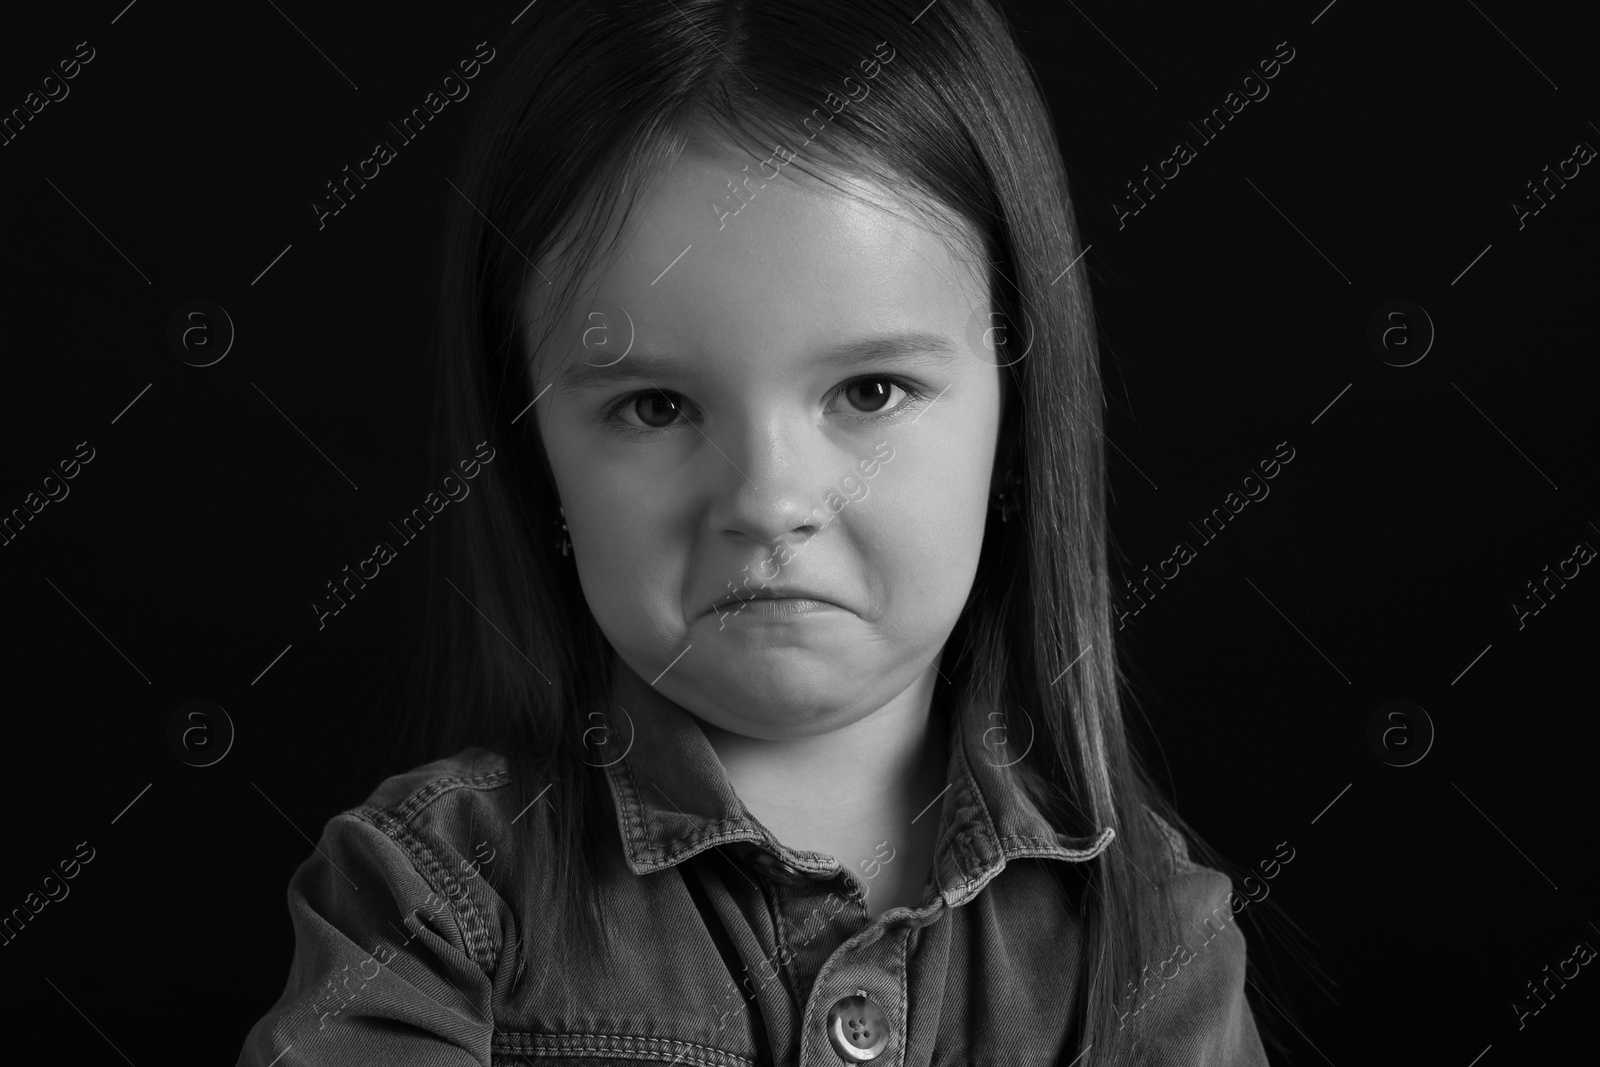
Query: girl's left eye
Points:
[659, 410]
[874, 393]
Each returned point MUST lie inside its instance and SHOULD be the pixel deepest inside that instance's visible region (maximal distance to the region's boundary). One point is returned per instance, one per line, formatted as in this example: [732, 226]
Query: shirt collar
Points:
[674, 801]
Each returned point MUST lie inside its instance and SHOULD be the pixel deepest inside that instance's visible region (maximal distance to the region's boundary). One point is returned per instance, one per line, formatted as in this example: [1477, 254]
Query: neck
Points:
[820, 793]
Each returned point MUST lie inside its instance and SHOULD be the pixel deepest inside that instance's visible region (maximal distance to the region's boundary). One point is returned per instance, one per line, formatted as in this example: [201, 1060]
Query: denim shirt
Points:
[733, 949]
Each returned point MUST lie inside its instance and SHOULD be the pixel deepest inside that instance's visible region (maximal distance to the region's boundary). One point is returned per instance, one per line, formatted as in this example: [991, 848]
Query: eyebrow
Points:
[910, 346]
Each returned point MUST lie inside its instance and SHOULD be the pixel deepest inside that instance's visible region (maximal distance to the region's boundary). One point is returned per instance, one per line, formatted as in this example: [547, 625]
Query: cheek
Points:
[631, 557]
[930, 505]
[611, 541]
[922, 531]
[636, 604]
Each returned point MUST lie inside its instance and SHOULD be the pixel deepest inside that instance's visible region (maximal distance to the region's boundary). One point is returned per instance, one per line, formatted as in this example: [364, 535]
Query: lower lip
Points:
[776, 608]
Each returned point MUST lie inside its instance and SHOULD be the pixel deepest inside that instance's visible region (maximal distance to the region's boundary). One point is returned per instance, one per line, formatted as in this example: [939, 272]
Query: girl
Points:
[774, 650]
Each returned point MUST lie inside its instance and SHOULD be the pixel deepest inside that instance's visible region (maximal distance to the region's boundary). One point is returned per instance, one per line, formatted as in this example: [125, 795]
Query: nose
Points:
[772, 489]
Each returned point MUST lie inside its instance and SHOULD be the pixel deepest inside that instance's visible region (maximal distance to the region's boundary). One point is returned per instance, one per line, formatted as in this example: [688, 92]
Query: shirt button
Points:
[857, 1028]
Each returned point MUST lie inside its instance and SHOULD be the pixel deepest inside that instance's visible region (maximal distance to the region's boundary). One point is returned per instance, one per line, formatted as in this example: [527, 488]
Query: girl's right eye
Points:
[656, 410]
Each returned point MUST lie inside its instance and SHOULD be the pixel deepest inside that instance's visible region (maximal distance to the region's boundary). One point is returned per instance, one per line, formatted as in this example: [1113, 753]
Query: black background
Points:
[1233, 311]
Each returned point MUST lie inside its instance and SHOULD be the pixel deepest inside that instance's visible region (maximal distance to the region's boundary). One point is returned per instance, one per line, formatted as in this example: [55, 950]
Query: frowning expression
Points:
[799, 416]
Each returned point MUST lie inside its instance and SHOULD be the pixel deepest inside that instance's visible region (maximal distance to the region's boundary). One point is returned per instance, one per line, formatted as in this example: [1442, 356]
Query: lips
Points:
[776, 591]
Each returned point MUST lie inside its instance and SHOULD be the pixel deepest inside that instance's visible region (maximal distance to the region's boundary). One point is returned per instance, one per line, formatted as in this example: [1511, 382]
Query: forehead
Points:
[718, 263]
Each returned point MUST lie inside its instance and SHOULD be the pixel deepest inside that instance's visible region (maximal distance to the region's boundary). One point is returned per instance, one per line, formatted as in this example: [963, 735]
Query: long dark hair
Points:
[588, 100]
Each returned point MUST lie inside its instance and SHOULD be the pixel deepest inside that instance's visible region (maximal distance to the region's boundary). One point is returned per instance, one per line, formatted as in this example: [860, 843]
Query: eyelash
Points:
[914, 398]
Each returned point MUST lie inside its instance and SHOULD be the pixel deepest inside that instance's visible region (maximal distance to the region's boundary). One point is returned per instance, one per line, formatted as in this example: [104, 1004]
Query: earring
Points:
[565, 543]
[1007, 499]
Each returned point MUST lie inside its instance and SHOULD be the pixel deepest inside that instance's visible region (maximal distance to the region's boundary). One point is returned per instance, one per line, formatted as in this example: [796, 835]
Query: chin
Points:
[778, 703]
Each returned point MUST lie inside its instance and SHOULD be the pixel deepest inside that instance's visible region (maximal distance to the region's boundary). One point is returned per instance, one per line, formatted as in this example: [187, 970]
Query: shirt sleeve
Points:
[384, 970]
[1190, 1007]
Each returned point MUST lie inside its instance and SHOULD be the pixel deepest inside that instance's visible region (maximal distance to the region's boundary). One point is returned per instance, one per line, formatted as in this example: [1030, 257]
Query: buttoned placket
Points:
[852, 975]
[849, 971]
[859, 1003]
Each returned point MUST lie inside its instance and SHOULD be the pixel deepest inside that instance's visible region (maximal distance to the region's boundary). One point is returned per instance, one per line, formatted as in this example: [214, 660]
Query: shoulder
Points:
[1193, 996]
[441, 841]
[472, 778]
[413, 883]
[447, 815]
[1176, 858]
[1194, 893]
[454, 819]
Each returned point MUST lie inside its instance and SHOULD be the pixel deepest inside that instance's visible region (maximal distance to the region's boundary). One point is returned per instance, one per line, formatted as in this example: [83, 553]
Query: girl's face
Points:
[745, 391]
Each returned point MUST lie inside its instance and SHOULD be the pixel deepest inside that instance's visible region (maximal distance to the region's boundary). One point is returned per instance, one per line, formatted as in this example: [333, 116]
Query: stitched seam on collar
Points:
[1055, 850]
[966, 859]
[987, 823]
[711, 833]
[633, 810]
[1048, 849]
[708, 836]
[980, 829]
